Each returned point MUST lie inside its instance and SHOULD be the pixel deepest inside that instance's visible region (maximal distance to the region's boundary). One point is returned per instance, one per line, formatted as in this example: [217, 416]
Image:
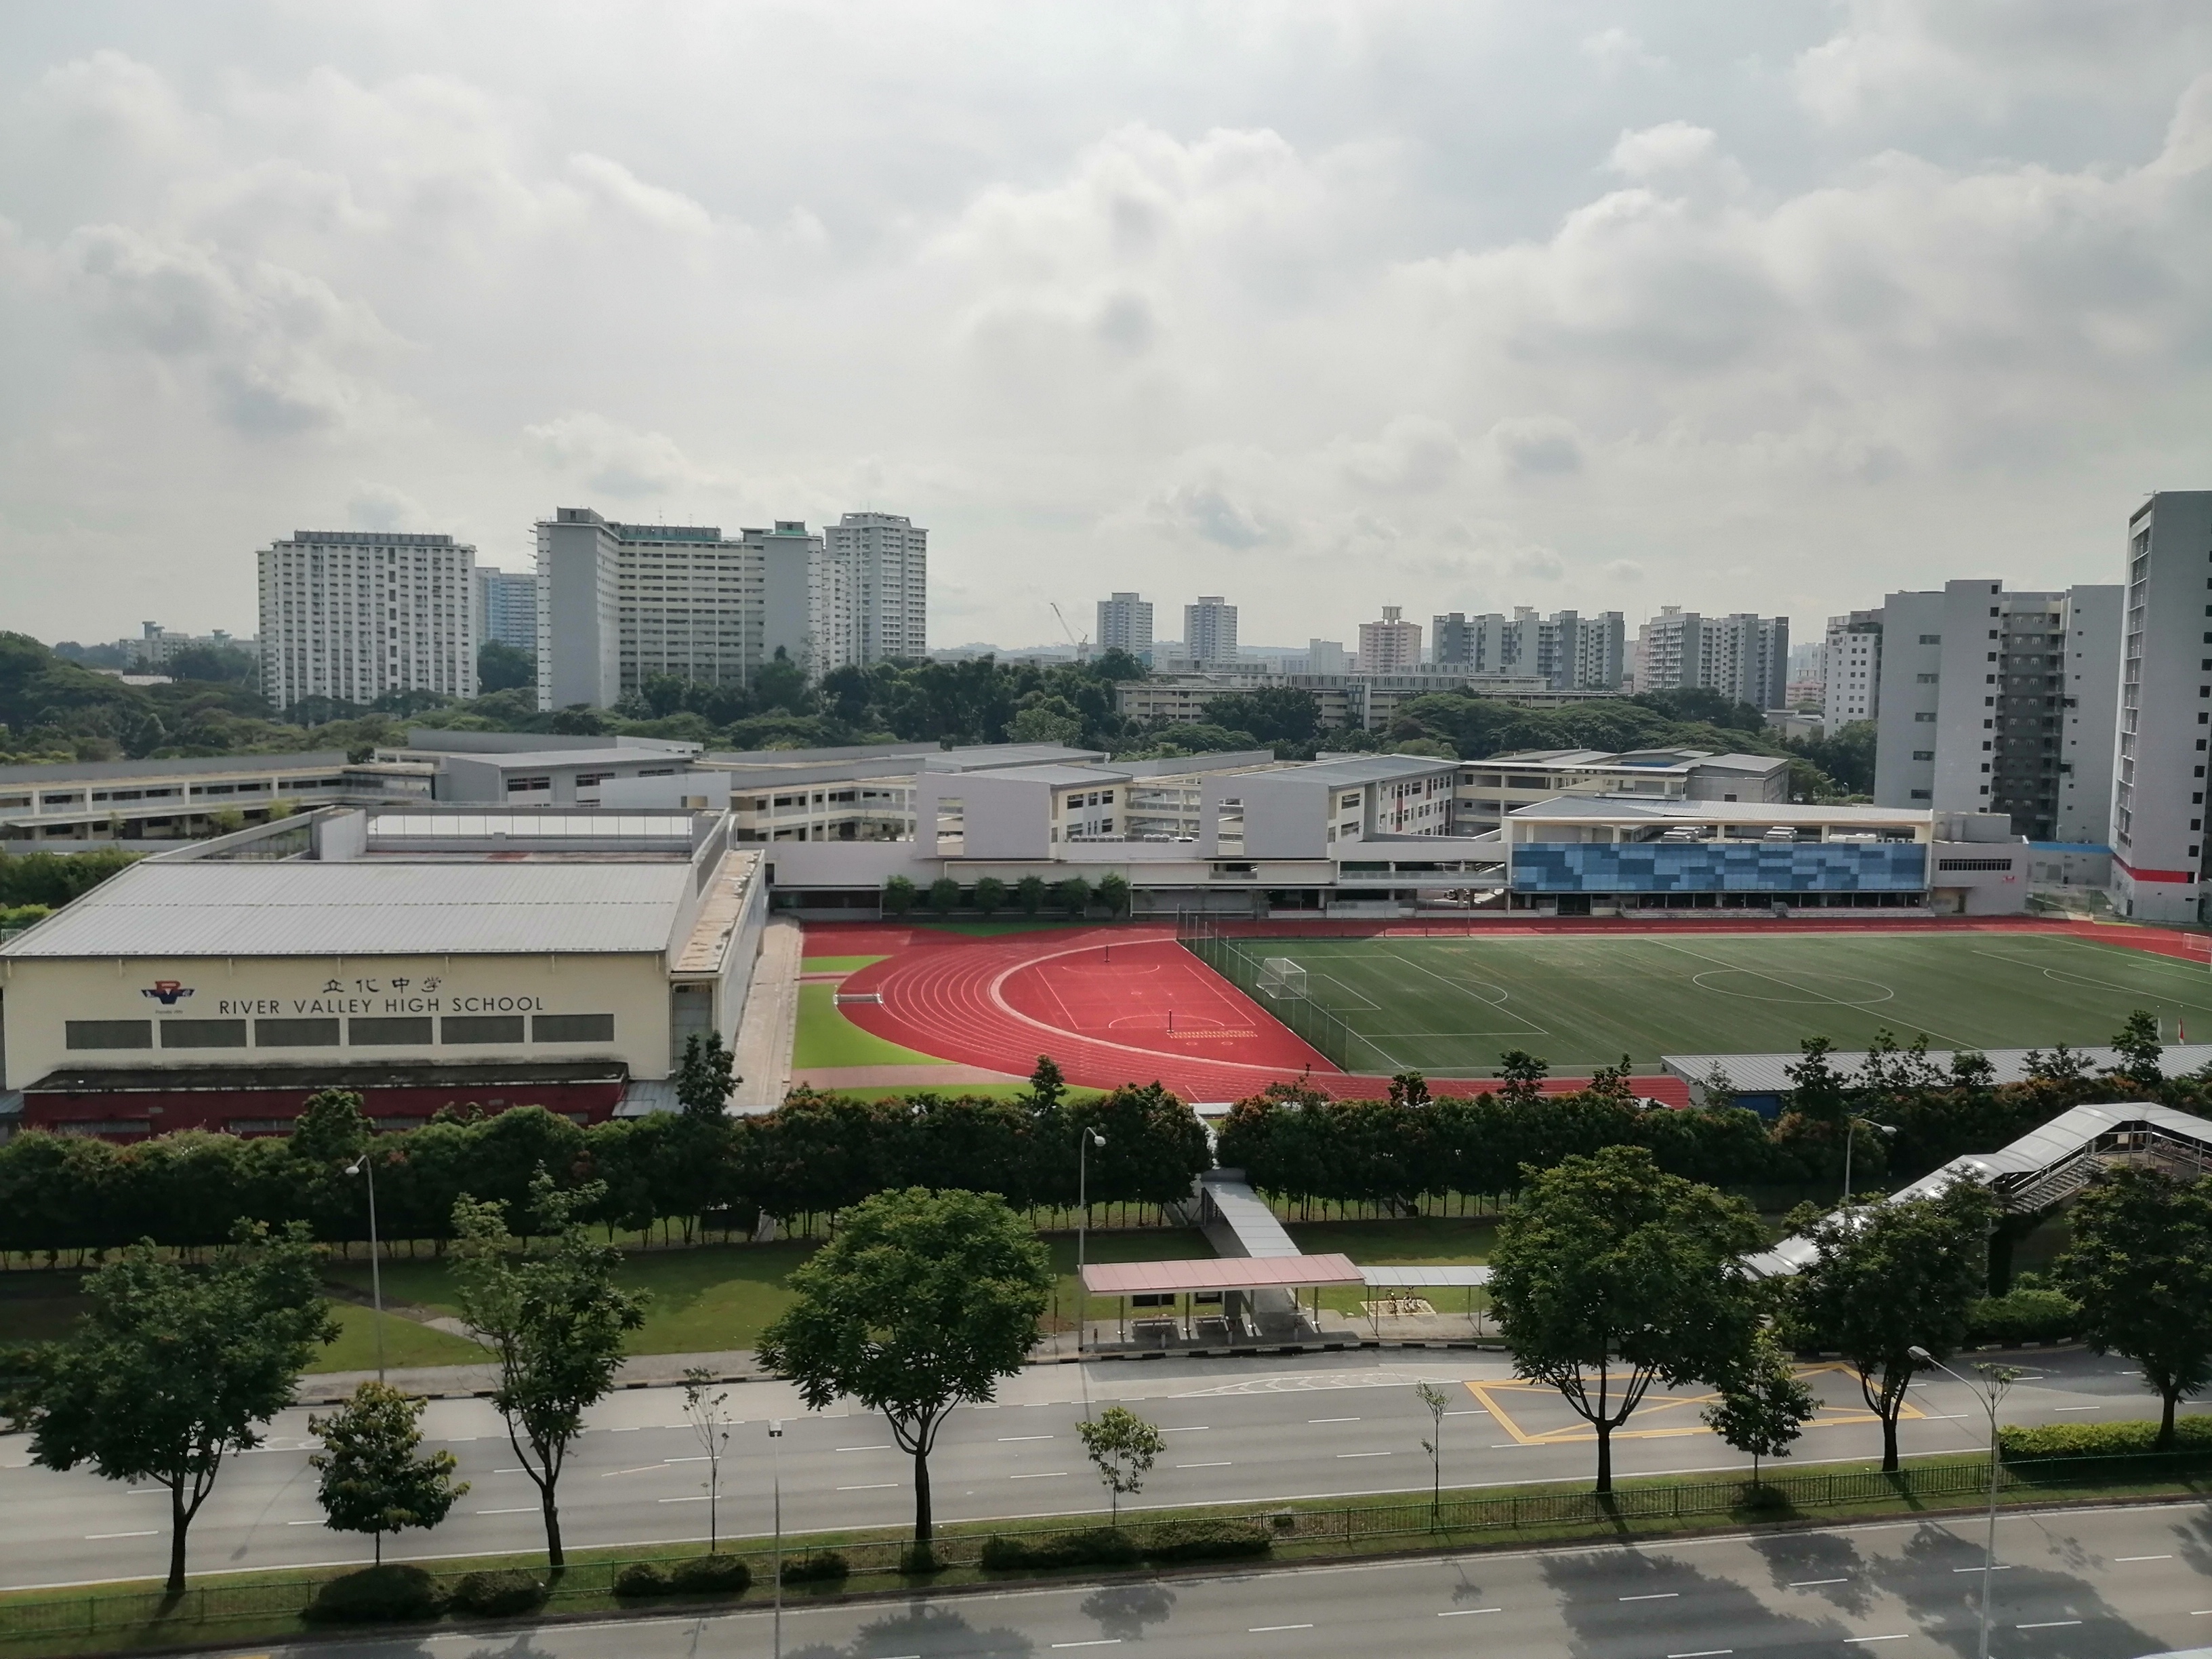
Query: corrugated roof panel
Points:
[366, 908]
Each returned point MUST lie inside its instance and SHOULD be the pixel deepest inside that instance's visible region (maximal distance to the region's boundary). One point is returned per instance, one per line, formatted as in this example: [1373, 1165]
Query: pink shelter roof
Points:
[1219, 1273]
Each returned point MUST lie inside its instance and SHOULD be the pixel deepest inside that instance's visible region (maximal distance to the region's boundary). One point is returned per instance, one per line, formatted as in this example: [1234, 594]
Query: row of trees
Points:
[818, 1154]
[1611, 1276]
[1031, 895]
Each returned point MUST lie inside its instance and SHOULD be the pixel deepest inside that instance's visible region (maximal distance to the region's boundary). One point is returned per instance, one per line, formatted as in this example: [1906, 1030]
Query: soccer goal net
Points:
[1282, 980]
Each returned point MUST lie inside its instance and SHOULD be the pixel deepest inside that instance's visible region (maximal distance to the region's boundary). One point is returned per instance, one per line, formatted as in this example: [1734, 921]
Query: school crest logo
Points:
[167, 991]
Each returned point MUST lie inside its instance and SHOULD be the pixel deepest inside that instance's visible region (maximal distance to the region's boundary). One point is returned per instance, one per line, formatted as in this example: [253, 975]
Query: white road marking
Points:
[1189, 1428]
[2142, 1557]
[527, 1509]
[1363, 1454]
[700, 1499]
[1102, 1642]
[1264, 1629]
[1851, 1641]
[1203, 1466]
[2049, 1624]
[1331, 1420]
[1802, 1583]
[1656, 1595]
[701, 1459]
[1468, 1613]
[2000, 1567]
[2072, 1408]
[1009, 1439]
[97, 1537]
[1701, 1653]
[1047, 1475]
[859, 1448]
[881, 1485]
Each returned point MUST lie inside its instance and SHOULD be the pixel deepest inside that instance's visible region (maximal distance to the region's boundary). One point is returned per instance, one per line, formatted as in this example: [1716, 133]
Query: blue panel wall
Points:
[1717, 868]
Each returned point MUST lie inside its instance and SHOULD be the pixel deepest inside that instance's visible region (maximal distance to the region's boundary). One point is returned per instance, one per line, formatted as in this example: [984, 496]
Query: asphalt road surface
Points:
[2084, 1584]
[1237, 1431]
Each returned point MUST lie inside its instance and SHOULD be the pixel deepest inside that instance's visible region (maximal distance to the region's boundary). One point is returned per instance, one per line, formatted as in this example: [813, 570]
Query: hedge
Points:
[377, 1596]
[2023, 1442]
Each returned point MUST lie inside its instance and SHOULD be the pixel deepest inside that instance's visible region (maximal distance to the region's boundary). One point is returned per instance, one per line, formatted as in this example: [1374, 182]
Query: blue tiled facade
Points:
[1717, 868]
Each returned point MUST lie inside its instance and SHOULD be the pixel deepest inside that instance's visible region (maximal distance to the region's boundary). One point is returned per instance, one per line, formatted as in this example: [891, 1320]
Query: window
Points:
[1929, 717]
[481, 1028]
[1927, 679]
[1973, 864]
[573, 1027]
[295, 1034]
[1922, 794]
[390, 1033]
[108, 1034]
[1923, 754]
[1931, 639]
[203, 1034]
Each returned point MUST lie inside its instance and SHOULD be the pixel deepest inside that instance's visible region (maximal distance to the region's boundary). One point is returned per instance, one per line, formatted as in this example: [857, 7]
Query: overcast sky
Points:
[1321, 306]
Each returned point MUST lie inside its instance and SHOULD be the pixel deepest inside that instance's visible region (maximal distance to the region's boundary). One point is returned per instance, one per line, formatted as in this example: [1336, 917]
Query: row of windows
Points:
[412, 1030]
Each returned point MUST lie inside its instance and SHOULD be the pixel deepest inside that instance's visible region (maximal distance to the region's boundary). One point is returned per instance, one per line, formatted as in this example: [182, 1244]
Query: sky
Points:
[1322, 307]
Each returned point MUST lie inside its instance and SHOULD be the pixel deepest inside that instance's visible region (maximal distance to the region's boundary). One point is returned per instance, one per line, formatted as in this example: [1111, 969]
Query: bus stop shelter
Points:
[1218, 1298]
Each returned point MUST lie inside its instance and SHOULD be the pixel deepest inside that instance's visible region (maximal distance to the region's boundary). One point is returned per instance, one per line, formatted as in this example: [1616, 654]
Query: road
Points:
[1238, 1430]
[2084, 1584]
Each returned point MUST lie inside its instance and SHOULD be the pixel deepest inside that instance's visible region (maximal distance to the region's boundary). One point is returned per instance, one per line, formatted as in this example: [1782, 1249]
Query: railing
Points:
[880, 1556]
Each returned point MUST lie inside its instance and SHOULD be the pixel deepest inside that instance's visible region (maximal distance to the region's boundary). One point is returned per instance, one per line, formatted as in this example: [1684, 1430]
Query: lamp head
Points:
[1096, 1140]
[1921, 1355]
[354, 1168]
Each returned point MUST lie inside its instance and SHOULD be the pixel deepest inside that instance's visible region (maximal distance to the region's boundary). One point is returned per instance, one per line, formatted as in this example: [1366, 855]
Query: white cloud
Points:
[384, 506]
[649, 204]
[605, 454]
[1533, 446]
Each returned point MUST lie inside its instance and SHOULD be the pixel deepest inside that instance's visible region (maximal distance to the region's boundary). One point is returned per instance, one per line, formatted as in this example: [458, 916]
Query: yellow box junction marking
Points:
[1655, 1403]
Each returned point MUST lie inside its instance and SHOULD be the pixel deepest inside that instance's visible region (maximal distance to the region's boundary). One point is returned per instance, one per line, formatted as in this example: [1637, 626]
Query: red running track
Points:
[1100, 1001]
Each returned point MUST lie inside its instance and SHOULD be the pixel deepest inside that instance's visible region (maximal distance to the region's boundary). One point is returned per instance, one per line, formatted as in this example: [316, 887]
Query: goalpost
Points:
[1282, 980]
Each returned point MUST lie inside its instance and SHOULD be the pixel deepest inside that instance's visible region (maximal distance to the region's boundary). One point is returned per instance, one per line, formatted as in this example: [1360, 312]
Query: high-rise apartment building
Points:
[882, 560]
[507, 608]
[353, 614]
[1850, 668]
[1125, 624]
[2165, 710]
[1569, 651]
[1741, 655]
[1209, 631]
[1392, 645]
[1993, 701]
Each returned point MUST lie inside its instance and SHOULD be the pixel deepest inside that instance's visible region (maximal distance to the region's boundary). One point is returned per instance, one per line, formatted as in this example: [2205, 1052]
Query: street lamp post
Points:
[1997, 1380]
[1851, 1127]
[1084, 1143]
[361, 1166]
[775, 1468]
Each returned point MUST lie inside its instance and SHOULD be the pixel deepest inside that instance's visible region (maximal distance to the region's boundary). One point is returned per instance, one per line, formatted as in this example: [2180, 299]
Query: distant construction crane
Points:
[1082, 646]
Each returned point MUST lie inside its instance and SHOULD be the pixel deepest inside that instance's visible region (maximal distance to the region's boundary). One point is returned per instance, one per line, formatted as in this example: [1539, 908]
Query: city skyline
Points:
[1453, 308]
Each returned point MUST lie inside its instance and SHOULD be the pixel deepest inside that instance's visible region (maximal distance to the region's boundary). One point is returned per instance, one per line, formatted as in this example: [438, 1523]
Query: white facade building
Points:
[1850, 668]
[2165, 710]
[1209, 631]
[883, 561]
[1125, 624]
[1392, 645]
[507, 608]
[1739, 655]
[2001, 703]
[153, 650]
[355, 615]
[1568, 651]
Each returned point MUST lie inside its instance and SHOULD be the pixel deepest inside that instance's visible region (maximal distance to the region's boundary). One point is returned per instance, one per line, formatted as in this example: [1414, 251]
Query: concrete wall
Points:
[579, 617]
[2158, 820]
[2092, 713]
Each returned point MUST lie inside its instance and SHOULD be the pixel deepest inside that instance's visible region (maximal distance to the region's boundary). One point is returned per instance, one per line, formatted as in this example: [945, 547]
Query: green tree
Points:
[1073, 896]
[1763, 1407]
[990, 895]
[1278, 714]
[501, 667]
[176, 1367]
[331, 1127]
[1114, 893]
[1123, 1447]
[1051, 719]
[898, 896]
[1610, 1276]
[1524, 1076]
[1888, 1278]
[1046, 1086]
[921, 1302]
[1028, 893]
[2139, 1051]
[944, 896]
[706, 1076]
[373, 1480]
[556, 1320]
[2139, 1261]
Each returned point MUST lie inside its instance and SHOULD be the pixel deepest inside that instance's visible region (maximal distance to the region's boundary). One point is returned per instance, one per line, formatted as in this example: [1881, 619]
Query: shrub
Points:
[1100, 1547]
[719, 1575]
[497, 1594]
[640, 1579]
[2028, 1313]
[822, 1566]
[919, 1558]
[2024, 1442]
[1205, 1540]
[376, 1595]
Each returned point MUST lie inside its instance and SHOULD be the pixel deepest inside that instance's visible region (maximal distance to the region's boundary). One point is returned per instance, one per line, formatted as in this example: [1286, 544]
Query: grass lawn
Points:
[406, 1343]
[1449, 1006]
[1425, 1241]
[826, 1038]
[837, 964]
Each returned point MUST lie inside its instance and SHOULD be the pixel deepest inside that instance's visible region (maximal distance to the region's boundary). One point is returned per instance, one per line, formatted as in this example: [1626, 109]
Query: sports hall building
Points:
[424, 956]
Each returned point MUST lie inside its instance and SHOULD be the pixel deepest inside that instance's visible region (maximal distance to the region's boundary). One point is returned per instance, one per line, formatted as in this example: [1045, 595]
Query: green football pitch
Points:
[1451, 1006]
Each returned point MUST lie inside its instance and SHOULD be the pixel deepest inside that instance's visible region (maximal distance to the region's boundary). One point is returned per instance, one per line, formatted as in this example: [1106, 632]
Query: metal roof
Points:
[1610, 807]
[1364, 768]
[1079, 775]
[1458, 1276]
[366, 908]
[1767, 1074]
[1236, 1272]
[318, 760]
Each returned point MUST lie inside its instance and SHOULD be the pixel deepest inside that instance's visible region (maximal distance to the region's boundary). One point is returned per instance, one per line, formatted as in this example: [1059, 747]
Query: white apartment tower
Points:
[2165, 713]
[1993, 701]
[507, 608]
[1741, 655]
[882, 560]
[1850, 668]
[1392, 645]
[355, 615]
[1209, 631]
[1125, 624]
[1569, 651]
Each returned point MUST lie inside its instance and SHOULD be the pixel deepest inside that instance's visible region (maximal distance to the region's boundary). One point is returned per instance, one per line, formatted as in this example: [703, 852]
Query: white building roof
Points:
[368, 906]
[1614, 809]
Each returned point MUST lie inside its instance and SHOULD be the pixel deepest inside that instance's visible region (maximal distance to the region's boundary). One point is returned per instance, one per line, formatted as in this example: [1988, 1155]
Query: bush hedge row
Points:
[2025, 1443]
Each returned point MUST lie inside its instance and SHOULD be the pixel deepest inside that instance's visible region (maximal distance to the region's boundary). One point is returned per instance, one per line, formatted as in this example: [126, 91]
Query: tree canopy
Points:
[374, 1478]
[2139, 1261]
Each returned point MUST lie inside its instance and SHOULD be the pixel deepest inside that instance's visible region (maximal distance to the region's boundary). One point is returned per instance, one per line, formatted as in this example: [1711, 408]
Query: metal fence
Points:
[1458, 1519]
[1237, 962]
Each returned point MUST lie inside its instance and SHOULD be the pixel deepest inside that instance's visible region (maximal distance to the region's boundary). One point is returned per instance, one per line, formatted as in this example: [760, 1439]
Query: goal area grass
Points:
[1451, 1006]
